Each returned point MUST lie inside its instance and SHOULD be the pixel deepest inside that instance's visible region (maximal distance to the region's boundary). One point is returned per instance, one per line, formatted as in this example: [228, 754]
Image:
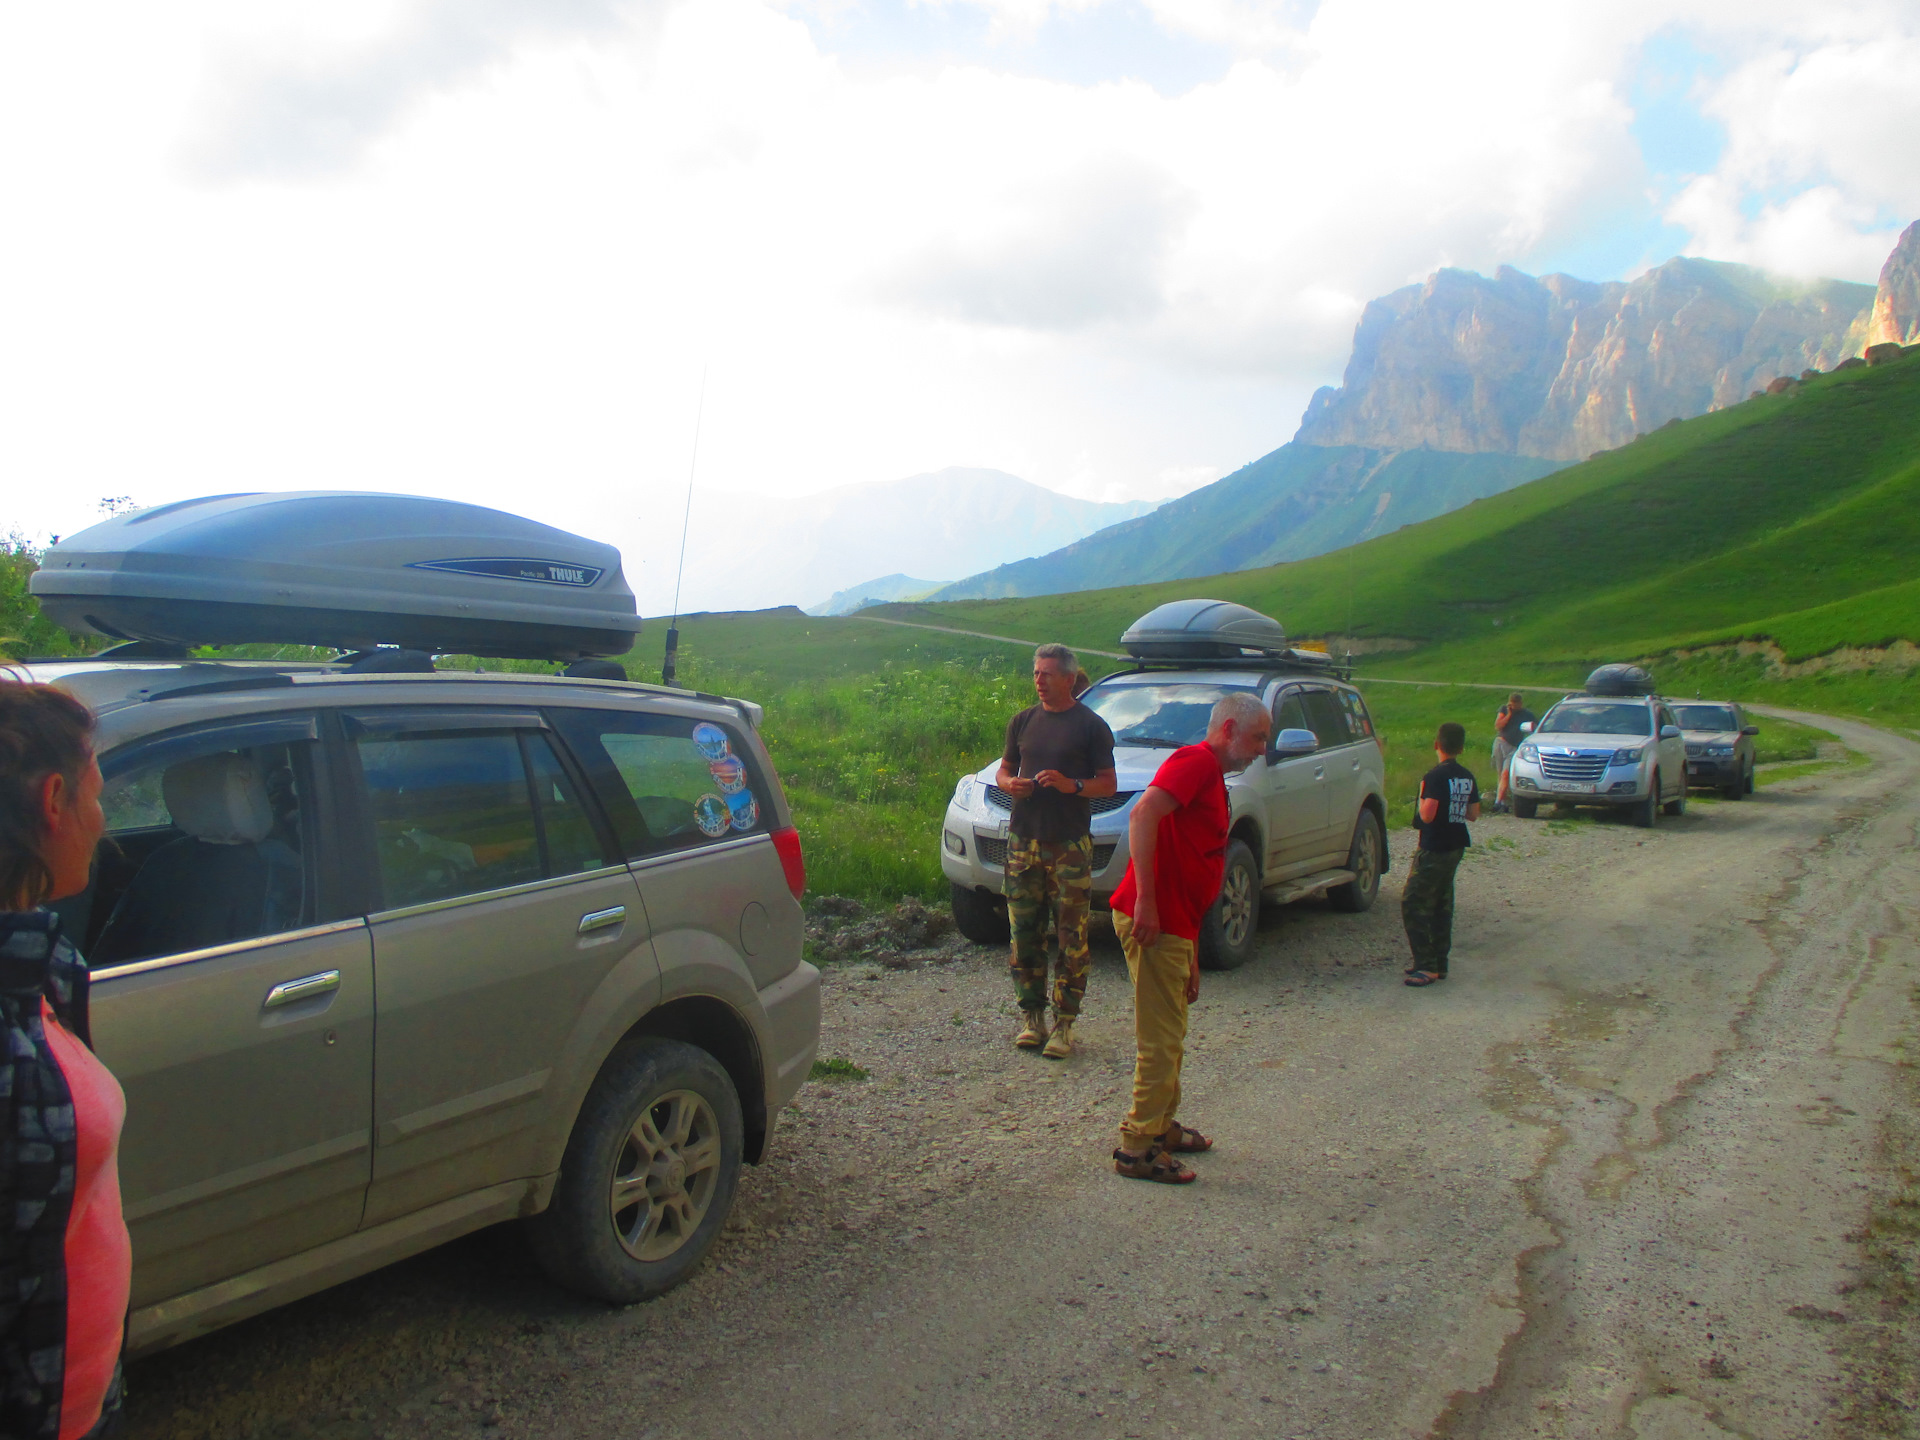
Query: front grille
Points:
[1586, 769]
[1103, 857]
[1696, 750]
[1001, 800]
[992, 850]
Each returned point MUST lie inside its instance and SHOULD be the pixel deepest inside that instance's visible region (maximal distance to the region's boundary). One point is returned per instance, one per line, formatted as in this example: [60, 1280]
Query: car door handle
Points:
[1319, 772]
[602, 919]
[307, 987]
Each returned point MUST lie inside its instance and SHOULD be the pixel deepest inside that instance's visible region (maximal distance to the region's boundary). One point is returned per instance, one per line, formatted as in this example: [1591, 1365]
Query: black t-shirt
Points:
[1075, 742]
[1510, 732]
[1453, 785]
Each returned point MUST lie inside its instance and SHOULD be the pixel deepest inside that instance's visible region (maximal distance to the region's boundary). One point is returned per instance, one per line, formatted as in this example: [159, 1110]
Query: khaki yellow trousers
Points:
[1159, 973]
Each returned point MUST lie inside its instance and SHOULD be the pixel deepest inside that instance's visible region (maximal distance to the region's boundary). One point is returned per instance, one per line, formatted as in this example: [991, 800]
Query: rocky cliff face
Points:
[1558, 367]
[1896, 306]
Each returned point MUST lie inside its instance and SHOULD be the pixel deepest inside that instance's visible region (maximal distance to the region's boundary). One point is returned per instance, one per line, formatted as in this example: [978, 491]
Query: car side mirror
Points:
[1290, 743]
[1669, 732]
[1749, 729]
[1526, 727]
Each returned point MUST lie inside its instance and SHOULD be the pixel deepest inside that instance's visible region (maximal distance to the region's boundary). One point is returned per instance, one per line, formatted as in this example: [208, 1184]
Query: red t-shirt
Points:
[1192, 854]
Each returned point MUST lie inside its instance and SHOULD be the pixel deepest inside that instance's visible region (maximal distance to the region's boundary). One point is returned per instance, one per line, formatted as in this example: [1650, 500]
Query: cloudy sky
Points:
[488, 248]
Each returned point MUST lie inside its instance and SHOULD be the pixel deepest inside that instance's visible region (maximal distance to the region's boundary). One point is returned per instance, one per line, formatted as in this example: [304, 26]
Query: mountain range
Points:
[1464, 386]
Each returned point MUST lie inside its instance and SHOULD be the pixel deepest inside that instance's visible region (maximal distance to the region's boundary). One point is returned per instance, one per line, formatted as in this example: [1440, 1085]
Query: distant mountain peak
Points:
[1896, 305]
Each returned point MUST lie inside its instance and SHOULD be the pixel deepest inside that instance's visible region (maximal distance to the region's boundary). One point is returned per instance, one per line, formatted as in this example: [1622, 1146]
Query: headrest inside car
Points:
[218, 798]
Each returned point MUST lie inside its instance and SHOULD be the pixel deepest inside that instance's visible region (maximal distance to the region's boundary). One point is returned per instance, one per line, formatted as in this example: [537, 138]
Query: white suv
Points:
[1617, 751]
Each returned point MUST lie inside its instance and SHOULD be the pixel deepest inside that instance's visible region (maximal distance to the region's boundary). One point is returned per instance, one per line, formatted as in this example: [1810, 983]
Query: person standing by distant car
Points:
[1449, 798]
[65, 1258]
[1058, 756]
[1177, 843]
[1507, 736]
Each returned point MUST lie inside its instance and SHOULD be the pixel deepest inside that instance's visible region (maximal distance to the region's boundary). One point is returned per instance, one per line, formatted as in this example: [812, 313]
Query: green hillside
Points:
[1793, 518]
[1301, 500]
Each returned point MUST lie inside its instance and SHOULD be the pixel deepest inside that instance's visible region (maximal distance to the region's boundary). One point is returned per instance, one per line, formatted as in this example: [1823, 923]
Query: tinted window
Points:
[1290, 714]
[1164, 717]
[1597, 717]
[667, 781]
[1357, 716]
[1327, 718]
[457, 813]
[1706, 717]
[209, 842]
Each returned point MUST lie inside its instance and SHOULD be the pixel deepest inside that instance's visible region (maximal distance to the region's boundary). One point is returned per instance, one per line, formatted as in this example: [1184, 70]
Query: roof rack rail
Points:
[1287, 662]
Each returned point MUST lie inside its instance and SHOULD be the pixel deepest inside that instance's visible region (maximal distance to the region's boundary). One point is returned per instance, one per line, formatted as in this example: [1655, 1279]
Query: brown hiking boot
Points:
[1034, 1033]
[1060, 1044]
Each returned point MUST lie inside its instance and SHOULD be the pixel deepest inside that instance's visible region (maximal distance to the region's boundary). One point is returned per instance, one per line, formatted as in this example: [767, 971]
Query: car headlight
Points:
[1628, 757]
[1719, 750]
[1526, 752]
[963, 793]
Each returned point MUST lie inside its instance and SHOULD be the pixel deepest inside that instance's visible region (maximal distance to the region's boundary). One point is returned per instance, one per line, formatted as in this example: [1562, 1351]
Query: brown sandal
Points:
[1183, 1139]
[1155, 1165]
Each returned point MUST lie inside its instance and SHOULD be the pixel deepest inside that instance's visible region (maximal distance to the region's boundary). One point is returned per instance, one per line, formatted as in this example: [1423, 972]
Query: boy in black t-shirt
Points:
[1449, 798]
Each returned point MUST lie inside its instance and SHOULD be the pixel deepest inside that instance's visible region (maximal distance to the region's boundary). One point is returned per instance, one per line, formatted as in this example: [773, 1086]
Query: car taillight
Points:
[787, 843]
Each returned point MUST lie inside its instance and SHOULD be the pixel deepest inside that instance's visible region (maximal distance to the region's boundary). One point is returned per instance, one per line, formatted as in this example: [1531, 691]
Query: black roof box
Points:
[1620, 680]
[347, 570]
[1203, 630]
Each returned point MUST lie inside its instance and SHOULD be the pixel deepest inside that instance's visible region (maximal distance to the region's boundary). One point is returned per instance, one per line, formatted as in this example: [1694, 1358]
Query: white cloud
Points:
[485, 249]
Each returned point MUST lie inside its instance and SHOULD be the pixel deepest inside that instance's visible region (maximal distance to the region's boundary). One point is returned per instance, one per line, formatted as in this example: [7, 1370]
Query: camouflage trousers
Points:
[1426, 908]
[1049, 892]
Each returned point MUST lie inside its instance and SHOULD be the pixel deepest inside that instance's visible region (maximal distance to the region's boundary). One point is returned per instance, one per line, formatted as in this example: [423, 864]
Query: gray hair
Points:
[1069, 662]
[1243, 707]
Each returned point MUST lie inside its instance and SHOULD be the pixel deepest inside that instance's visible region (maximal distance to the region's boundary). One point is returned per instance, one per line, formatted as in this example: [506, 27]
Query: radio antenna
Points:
[673, 625]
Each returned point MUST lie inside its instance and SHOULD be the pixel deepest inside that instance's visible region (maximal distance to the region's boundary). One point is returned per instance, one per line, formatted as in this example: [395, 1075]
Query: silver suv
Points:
[384, 958]
[1309, 818]
[1621, 752]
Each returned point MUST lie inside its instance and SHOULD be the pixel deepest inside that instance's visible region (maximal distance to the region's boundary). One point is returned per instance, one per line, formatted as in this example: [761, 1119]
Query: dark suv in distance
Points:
[383, 958]
[1720, 746]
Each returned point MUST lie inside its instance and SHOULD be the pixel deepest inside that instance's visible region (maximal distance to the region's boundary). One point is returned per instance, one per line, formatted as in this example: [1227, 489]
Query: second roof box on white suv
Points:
[341, 569]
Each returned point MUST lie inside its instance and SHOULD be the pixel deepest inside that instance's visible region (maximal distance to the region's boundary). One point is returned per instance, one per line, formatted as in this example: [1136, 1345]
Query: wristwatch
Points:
[1078, 786]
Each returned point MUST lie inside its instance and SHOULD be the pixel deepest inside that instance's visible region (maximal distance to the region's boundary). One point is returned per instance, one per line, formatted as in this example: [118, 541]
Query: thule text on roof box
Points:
[345, 570]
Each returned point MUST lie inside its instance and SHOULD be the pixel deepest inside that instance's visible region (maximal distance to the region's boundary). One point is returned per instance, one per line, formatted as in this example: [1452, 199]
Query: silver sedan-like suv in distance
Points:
[383, 958]
[1308, 818]
[1621, 752]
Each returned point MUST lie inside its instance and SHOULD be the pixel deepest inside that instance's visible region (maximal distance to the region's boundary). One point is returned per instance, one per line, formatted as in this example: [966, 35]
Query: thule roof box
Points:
[1620, 680]
[345, 570]
[1218, 634]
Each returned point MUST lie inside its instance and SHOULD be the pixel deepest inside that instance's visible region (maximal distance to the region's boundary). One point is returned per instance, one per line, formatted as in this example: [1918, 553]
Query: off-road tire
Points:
[575, 1237]
[1647, 812]
[1749, 779]
[1525, 809]
[981, 917]
[1228, 933]
[1737, 790]
[1364, 859]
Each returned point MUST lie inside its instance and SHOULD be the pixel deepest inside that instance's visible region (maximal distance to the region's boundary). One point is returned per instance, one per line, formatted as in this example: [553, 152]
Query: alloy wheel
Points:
[1236, 905]
[665, 1176]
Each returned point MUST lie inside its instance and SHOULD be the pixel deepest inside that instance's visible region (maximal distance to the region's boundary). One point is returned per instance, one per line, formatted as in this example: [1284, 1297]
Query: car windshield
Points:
[1162, 716]
[1596, 717]
[1706, 717]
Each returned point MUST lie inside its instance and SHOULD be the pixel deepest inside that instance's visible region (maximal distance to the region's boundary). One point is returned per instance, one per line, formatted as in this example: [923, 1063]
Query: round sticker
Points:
[728, 773]
[711, 740]
[746, 810]
[710, 814]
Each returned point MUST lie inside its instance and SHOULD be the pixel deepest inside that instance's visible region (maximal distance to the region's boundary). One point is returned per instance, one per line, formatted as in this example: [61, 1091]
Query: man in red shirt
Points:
[1177, 843]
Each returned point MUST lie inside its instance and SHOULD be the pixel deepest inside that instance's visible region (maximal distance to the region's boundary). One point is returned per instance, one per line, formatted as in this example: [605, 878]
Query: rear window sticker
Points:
[746, 810]
[711, 740]
[728, 773]
[710, 814]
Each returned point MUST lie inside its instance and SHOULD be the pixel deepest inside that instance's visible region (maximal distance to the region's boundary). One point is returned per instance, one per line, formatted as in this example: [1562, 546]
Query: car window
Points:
[1159, 716]
[1357, 717]
[1706, 717]
[461, 812]
[668, 782]
[1290, 714]
[210, 840]
[1327, 718]
[1596, 717]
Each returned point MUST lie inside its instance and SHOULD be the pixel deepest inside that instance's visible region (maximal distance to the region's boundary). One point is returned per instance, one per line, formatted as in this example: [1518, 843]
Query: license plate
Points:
[1572, 787]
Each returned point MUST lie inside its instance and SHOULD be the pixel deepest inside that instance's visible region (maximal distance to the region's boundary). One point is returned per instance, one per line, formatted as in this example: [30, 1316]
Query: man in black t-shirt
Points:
[1059, 755]
[1449, 798]
[1507, 736]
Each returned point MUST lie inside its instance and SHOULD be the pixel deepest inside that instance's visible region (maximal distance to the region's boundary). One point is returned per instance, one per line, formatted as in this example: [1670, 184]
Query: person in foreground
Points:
[1058, 756]
[1177, 842]
[65, 1260]
[1449, 798]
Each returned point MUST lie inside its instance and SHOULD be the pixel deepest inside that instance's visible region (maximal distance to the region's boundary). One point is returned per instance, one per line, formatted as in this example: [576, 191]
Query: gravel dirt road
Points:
[1644, 1166]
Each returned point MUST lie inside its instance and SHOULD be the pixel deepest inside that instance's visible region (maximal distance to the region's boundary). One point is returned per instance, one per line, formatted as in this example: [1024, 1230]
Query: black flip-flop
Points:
[1422, 977]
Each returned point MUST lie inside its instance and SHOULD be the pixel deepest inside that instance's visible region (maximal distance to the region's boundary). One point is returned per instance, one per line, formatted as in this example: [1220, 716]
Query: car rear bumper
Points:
[792, 1008]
